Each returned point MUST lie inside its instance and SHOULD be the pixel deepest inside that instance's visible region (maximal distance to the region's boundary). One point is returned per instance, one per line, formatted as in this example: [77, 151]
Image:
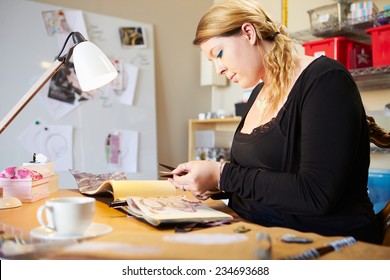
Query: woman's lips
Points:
[232, 77]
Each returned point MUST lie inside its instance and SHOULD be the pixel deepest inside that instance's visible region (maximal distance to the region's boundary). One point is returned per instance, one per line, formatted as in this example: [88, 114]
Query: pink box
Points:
[28, 190]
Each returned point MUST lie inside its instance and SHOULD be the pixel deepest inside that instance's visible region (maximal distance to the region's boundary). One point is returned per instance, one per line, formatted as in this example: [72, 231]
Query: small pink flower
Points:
[23, 174]
[20, 173]
[38, 176]
[8, 172]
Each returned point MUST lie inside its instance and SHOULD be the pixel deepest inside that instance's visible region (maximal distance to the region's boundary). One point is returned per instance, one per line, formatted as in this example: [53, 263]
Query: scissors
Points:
[168, 174]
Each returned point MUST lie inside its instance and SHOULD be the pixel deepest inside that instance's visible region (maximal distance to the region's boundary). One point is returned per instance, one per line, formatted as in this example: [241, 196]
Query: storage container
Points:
[351, 53]
[29, 189]
[362, 12]
[380, 41]
[379, 187]
[383, 17]
[328, 19]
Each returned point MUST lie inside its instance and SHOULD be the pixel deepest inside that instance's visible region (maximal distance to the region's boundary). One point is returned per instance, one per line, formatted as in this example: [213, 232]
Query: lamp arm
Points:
[77, 38]
[31, 93]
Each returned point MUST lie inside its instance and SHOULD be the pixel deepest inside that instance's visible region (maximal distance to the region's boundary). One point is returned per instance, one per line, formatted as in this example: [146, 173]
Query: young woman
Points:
[300, 156]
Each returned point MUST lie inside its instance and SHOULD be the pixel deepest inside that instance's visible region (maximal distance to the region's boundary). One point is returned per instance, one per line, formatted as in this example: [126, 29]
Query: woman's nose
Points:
[220, 68]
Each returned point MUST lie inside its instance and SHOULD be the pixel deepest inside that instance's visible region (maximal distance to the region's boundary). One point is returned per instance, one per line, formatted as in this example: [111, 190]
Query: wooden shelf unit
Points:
[217, 124]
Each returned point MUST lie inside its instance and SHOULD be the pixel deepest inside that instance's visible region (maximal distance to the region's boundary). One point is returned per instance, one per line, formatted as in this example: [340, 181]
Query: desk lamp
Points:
[93, 70]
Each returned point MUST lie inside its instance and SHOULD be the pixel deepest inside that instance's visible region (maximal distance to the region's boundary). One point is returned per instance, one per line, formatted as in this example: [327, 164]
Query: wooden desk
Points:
[133, 239]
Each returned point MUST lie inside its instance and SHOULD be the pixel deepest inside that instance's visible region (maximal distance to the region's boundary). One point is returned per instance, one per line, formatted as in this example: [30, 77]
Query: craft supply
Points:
[264, 246]
[317, 252]
[241, 229]
[185, 227]
[291, 238]
[117, 203]
[168, 174]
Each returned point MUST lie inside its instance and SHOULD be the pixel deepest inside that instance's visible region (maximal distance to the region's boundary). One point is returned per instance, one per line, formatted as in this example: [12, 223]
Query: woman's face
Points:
[237, 57]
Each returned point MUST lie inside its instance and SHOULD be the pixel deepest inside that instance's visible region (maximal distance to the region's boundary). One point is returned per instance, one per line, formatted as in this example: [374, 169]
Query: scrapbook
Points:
[154, 201]
[159, 210]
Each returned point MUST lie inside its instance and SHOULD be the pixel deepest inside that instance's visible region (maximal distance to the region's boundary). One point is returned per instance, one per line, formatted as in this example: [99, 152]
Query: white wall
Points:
[179, 95]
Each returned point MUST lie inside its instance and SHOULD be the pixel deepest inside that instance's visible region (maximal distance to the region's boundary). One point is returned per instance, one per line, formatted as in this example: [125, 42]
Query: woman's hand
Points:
[200, 177]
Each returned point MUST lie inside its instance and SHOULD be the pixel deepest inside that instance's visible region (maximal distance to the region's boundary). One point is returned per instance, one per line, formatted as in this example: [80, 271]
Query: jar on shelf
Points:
[383, 17]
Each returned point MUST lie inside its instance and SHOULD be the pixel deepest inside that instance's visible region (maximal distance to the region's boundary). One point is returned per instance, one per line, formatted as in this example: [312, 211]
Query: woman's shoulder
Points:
[312, 69]
[323, 72]
[323, 64]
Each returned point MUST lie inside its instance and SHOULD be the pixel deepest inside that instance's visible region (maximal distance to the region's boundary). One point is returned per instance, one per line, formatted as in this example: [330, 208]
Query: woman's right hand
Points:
[200, 177]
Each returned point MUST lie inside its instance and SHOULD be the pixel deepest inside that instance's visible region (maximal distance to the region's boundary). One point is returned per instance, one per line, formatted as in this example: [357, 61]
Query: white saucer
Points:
[94, 230]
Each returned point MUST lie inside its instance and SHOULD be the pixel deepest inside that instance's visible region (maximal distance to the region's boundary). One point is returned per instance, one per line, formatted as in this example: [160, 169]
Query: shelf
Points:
[372, 77]
[354, 29]
[223, 126]
[216, 121]
[346, 31]
[303, 36]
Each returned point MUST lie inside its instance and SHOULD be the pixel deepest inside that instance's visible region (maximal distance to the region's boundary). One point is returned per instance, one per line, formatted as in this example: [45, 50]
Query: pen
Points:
[118, 203]
[317, 252]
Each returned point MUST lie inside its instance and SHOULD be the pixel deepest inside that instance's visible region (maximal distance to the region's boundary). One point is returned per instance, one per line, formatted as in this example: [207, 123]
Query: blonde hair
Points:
[226, 18]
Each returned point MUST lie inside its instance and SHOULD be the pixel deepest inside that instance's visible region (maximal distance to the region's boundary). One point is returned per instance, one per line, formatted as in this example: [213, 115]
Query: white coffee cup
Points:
[67, 215]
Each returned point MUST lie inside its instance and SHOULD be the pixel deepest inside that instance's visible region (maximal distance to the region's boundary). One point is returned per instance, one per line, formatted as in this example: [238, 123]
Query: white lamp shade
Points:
[93, 69]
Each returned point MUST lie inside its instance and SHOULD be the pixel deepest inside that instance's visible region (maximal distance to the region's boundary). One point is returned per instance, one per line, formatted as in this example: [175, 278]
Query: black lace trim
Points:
[264, 127]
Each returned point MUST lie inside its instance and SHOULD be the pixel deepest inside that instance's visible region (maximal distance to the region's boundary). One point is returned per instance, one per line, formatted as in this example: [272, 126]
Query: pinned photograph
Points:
[55, 22]
[65, 87]
[133, 36]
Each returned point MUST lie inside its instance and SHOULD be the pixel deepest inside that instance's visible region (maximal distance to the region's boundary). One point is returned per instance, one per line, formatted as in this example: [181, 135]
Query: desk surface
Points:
[133, 239]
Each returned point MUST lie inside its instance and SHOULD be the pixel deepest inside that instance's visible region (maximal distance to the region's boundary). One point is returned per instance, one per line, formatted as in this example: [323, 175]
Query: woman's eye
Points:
[219, 55]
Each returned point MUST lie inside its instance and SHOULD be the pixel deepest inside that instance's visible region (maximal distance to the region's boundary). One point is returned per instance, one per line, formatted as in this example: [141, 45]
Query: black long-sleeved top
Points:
[308, 168]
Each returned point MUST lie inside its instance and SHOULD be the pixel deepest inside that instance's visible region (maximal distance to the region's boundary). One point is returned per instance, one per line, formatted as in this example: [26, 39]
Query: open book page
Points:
[145, 188]
[89, 183]
[172, 209]
[120, 189]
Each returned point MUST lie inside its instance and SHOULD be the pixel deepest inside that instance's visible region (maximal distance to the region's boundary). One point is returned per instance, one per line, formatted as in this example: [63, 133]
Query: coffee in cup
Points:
[67, 215]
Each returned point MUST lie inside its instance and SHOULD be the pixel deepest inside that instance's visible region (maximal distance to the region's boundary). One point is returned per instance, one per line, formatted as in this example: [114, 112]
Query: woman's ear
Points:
[249, 32]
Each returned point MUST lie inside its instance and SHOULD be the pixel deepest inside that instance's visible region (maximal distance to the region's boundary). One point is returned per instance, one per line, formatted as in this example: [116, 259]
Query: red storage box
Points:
[380, 39]
[351, 53]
